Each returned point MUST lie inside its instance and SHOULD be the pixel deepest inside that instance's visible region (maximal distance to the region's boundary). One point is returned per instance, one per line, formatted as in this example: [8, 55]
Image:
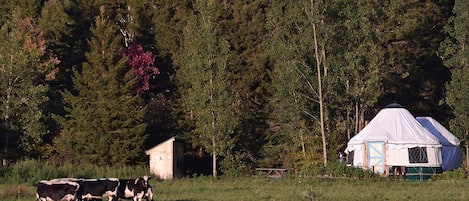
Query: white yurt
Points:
[394, 138]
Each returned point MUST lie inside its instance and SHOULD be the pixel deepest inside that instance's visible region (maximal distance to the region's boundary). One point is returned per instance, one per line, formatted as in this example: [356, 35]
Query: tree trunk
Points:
[214, 159]
[356, 117]
[303, 149]
[321, 106]
[348, 125]
[7, 127]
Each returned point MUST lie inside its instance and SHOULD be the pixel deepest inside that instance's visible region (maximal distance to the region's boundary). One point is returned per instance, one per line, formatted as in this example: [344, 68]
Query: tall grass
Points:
[32, 171]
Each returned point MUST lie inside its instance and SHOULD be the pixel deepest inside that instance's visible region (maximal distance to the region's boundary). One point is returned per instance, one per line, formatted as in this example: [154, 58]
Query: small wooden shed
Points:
[167, 158]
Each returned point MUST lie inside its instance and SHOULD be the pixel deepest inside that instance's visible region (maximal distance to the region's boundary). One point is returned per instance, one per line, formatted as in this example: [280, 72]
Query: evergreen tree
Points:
[25, 64]
[455, 54]
[242, 24]
[22, 8]
[104, 121]
[208, 96]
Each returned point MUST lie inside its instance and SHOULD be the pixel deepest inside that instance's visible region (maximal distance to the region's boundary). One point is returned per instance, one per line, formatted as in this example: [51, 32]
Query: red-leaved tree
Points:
[142, 64]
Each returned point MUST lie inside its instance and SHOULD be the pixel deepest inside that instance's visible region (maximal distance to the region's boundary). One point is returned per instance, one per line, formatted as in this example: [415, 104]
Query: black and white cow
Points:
[96, 189]
[135, 189]
[56, 191]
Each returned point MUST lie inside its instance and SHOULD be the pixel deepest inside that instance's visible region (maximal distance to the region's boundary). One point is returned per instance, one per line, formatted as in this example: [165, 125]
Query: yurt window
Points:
[418, 155]
[350, 157]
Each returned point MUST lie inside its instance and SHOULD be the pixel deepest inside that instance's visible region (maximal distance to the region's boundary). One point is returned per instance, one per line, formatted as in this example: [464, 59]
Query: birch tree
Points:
[209, 97]
[296, 48]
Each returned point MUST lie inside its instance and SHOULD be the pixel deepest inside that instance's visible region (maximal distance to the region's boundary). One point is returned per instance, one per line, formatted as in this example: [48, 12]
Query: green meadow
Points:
[17, 184]
[255, 188]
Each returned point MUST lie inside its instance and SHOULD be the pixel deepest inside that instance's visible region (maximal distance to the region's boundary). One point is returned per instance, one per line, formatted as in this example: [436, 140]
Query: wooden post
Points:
[366, 155]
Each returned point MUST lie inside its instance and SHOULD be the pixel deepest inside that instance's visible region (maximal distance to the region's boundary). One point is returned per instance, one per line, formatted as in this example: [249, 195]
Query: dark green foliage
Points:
[455, 53]
[413, 74]
[104, 124]
[208, 96]
[372, 53]
[294, 84]
[243, 25]
[460, 173]
[237, 164]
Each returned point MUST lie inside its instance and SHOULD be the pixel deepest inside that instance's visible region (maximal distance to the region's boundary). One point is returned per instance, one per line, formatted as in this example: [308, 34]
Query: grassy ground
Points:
[246, 189]
[310, 189]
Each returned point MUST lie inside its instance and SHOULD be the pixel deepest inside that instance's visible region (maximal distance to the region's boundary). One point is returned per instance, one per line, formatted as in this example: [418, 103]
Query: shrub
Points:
[459, 173]
[237, 164]
[336, 169]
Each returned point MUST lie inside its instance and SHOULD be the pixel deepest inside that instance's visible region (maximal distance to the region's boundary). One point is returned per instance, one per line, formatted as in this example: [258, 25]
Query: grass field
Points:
[251, 188]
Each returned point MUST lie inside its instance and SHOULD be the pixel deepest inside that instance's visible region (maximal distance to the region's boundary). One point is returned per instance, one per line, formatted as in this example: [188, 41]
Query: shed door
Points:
[376, 156]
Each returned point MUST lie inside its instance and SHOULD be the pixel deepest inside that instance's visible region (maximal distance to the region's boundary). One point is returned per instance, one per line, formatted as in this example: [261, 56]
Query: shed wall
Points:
[161, 160]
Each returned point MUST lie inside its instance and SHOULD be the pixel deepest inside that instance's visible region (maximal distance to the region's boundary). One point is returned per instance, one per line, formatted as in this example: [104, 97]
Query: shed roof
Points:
[173, 139]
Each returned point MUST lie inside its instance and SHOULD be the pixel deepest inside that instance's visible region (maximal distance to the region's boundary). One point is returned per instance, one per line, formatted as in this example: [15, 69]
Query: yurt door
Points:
[376, 156]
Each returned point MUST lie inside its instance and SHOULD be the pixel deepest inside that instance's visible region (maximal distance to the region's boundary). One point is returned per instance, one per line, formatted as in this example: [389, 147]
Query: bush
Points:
[459, 173]
[336, 169]
[237, 164]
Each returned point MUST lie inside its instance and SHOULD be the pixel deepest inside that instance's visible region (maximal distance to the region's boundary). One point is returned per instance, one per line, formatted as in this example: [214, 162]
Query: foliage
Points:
[25, 65]
[372, 53]
[455, 54]
[243, 25]
[335, 170]
[204, 71]
[459, 173]
[294, 101]
[413, 75]
[31, 171]
[141, 63]
[104, 122]
[237, 164]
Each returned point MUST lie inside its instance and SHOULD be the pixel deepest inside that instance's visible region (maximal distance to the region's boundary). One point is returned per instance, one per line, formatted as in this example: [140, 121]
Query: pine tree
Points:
[208, 96]
[104, 121]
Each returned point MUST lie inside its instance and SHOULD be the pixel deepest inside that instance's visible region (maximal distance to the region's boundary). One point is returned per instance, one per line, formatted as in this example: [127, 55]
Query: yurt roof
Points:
[439, 131]
[394, 125]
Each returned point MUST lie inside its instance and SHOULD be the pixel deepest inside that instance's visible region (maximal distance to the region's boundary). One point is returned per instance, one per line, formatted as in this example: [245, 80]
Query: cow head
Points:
[144, 181]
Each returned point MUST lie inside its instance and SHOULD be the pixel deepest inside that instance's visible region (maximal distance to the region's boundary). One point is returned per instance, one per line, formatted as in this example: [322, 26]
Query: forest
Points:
[248, 83]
